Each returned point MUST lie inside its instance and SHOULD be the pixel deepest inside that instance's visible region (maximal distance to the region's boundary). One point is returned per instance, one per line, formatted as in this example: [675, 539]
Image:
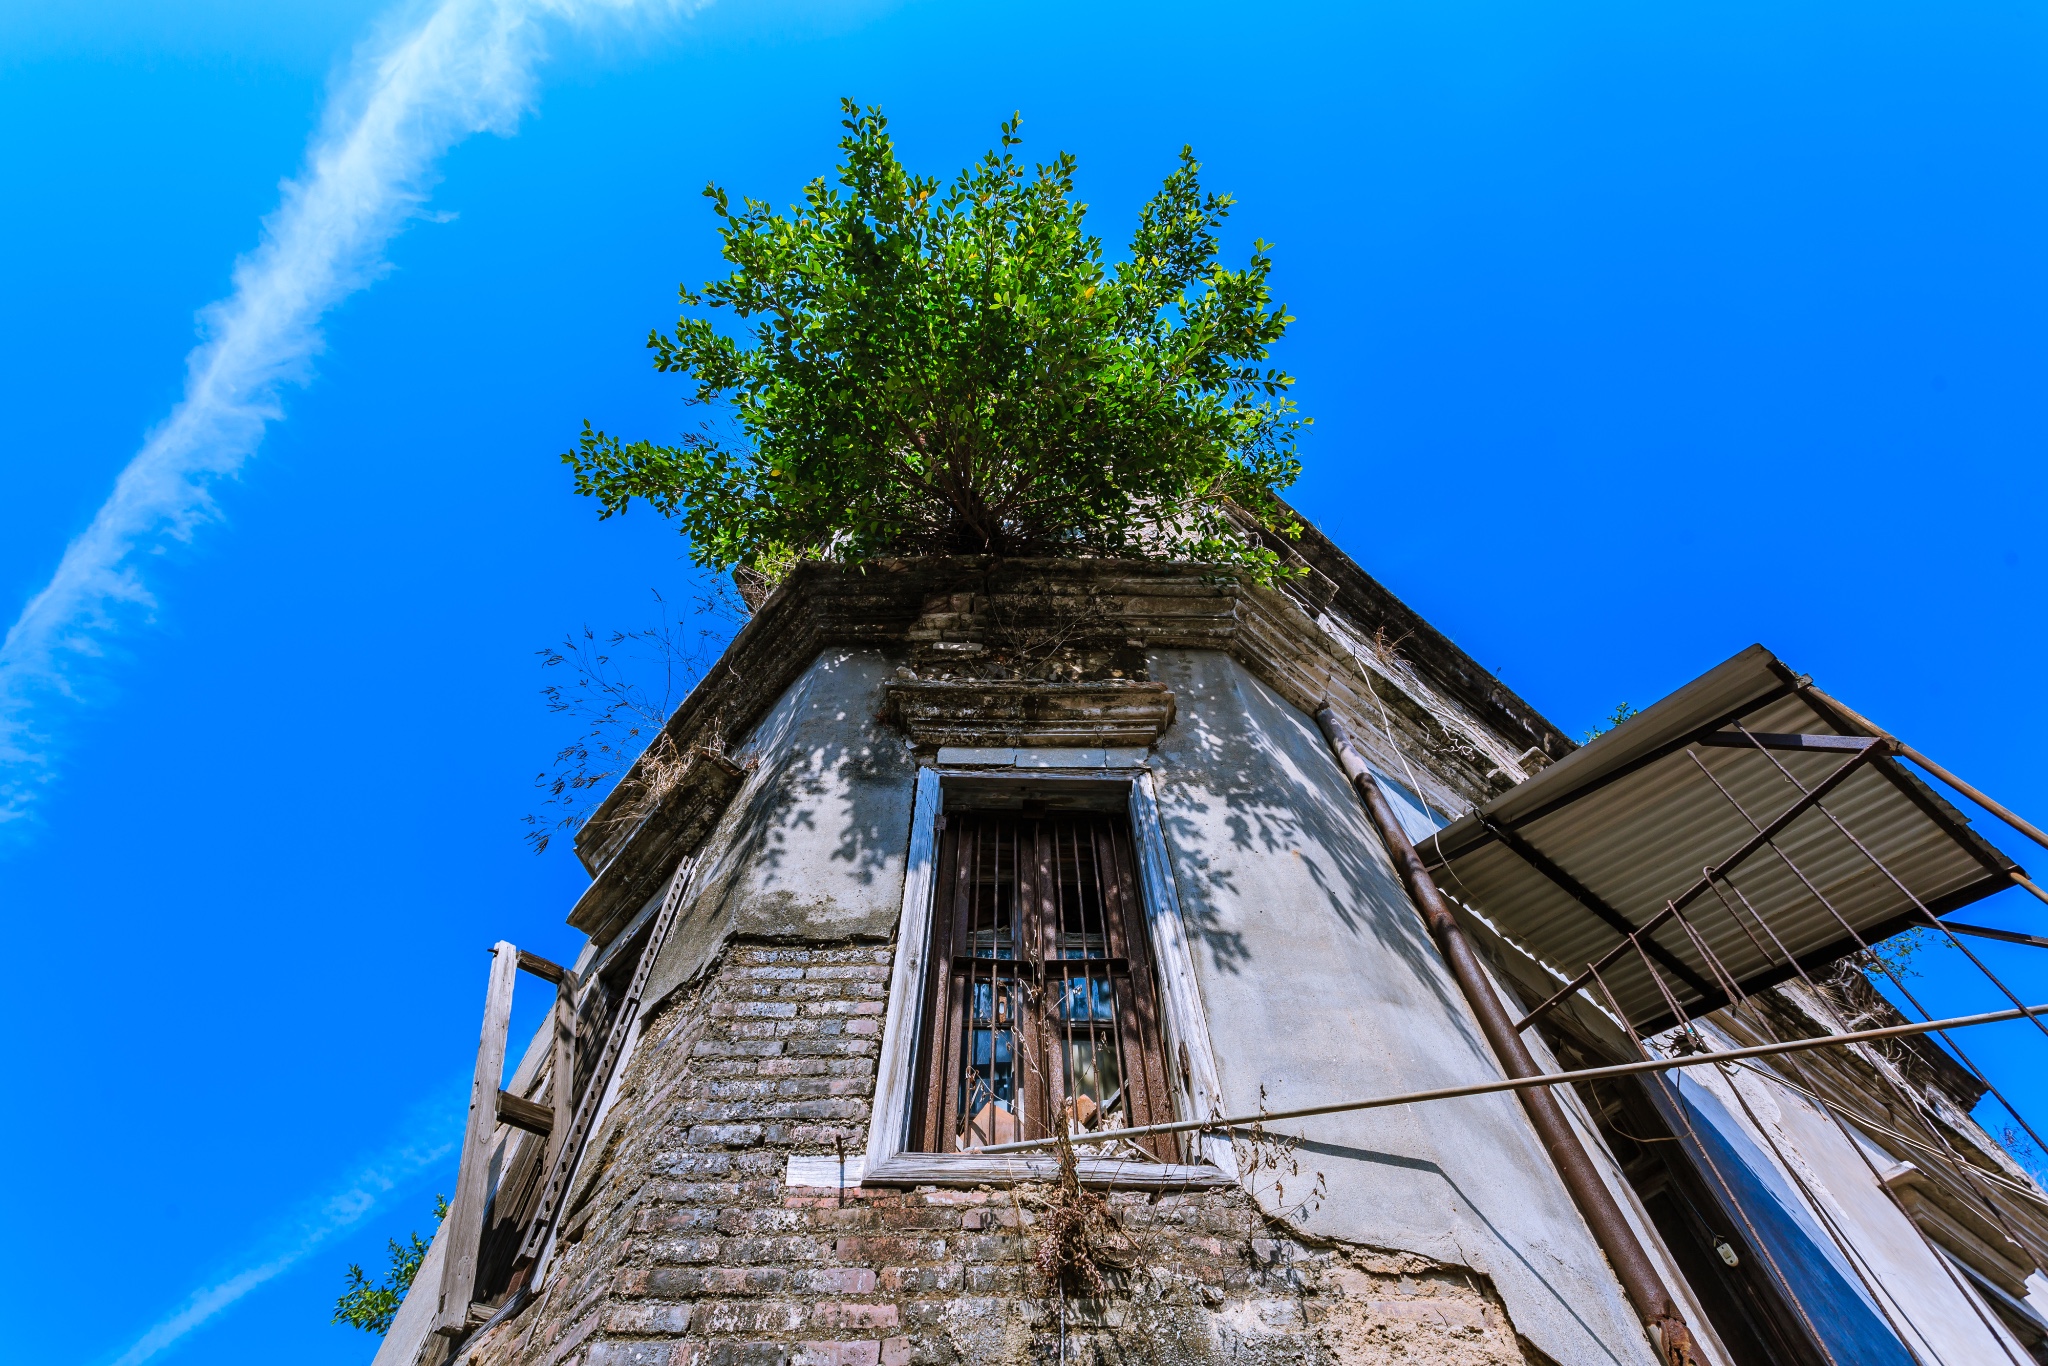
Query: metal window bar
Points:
[1042, 1002]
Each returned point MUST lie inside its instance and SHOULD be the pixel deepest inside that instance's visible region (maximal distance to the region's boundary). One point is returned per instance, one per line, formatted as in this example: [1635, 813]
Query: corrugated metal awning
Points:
[1741, 772]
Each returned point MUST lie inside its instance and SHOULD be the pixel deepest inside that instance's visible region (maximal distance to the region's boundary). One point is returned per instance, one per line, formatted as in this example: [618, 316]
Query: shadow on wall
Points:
[821, 838]
[1282, 796]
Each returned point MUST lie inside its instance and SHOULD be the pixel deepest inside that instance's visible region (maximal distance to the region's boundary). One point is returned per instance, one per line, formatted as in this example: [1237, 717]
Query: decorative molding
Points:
[887, 1163]
[1134, 607]
[639, 859]
[1016, 713]
[1080, 760]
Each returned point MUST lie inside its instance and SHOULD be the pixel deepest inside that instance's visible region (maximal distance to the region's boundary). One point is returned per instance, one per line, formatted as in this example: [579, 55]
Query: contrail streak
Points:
[432, 77]
[359, 1194]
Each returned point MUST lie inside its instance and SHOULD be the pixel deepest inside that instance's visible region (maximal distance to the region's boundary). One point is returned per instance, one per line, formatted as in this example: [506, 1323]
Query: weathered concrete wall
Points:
[1321, 984]
[813, 846]
[686, 1249]
[1440, 1239]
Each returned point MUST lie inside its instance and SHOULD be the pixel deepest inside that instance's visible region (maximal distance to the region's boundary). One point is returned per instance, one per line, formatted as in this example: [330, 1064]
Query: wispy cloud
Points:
[431, 76]
[439, 1124]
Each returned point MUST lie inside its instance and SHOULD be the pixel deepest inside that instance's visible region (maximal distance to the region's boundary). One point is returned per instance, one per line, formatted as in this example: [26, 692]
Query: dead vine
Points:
[619, 692]
[1081, 1242]
[1266, 1162]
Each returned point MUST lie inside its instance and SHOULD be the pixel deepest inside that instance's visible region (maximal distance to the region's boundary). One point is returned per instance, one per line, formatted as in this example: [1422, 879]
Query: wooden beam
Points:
[521, 1113]
[2006, 936]
[543, 969]
[1723, 739]
[585, 1114]
[465, 1227]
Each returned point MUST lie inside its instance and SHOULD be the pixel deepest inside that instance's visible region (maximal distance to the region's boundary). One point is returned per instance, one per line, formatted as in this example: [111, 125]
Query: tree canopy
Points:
[957, 370]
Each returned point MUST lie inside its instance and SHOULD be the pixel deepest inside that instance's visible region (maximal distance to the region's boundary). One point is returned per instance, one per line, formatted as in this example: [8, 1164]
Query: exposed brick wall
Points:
[688, 1251]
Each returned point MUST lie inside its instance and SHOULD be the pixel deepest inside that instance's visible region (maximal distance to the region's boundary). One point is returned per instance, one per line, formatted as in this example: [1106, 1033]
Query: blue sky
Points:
[1632, 335]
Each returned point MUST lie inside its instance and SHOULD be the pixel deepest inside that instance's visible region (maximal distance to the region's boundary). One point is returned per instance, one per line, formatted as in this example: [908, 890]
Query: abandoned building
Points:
[1110, 961]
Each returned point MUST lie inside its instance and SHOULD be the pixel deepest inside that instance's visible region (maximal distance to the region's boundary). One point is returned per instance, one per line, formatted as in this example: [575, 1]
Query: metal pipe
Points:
[2018, 823]
[1763, 838]
[1525, 1083]
[1596, 1203]
[1986, 932]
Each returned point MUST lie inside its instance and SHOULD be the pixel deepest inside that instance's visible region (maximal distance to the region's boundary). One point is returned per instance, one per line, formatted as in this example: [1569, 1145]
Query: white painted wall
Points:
[1321, 984]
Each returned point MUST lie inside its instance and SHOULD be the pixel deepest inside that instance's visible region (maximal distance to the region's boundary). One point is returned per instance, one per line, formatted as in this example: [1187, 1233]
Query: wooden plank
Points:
[542, 968]
[1148, 1039]
[521, 1113]
[896, 1084]
[914, 1052]
[1187, 1028]
[1722, 739]
[950, 1064]
[465, 1228]
[822, 1173]
[562, 1085]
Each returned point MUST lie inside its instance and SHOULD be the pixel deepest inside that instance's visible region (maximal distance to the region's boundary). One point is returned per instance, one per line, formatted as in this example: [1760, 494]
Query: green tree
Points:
[1622, 712]
[957, 370]
[373, 1307]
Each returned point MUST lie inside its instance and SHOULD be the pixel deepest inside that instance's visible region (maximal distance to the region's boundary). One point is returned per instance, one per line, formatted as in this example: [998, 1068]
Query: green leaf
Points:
[897, 367]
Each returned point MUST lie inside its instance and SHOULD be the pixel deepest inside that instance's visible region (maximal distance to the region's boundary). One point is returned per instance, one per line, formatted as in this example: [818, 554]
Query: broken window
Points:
[1040, 1005]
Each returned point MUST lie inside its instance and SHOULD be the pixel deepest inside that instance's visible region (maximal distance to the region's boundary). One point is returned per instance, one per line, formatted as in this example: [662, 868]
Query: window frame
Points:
[1189, 1059]
[1072, 872]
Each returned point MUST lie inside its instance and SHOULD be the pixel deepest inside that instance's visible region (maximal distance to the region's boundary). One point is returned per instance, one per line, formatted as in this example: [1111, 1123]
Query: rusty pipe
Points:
[2016, 821]
[1596, 1203]
[1721, 1058]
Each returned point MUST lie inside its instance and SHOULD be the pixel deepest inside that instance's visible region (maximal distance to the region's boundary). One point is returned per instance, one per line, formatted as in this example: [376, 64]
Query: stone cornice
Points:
[1022, 712]
[644, 851]
[1005, 626]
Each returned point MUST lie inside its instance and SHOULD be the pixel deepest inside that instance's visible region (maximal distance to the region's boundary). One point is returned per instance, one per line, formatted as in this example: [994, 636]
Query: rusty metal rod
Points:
[2025, 827]
[1596, 1203]
[2007, 936]
[1482, 1088]
[1763, 837]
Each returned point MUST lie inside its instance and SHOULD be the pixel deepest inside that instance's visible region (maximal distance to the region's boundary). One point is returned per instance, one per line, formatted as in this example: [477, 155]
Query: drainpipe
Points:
[1596, 1202]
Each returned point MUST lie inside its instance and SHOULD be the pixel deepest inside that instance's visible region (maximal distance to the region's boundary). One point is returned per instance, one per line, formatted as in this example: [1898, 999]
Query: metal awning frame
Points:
[1876, 751]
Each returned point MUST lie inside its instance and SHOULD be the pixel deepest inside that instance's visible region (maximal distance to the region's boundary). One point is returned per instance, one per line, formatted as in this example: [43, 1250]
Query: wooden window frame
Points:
[1063, 961]
[1189, 1058]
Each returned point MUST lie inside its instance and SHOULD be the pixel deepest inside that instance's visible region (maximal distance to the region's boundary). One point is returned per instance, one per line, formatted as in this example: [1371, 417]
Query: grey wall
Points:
[1321, 984]
[813, 846]
[1318, 979]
